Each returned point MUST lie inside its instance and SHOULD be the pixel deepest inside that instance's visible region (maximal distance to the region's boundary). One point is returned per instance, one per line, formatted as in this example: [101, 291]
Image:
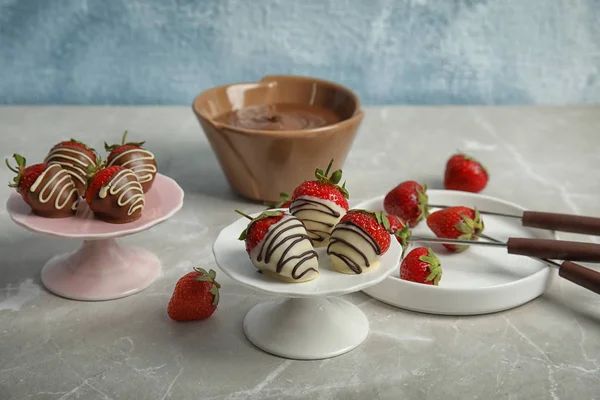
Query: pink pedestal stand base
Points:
[101, 270]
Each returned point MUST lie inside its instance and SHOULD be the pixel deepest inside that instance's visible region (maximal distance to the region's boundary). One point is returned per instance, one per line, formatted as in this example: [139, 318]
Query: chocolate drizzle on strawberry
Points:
[350, 226]
[132, 156]
[275, 239]
[49, 190]
[75, 158]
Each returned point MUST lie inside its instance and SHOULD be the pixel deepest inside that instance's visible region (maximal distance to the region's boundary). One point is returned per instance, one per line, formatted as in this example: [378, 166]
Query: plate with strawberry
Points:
[272, 252]
[457, 280]
[236, 258]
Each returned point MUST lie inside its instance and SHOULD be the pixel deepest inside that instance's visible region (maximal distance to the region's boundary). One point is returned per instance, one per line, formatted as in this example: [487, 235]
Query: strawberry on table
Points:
[320, 204]
[195, 297]
[456, 223]
[48, 189]
[115, 195]
[131, 155]
[76, 158]
[421, 266]
[408, 201]
[279, 247]
[358, 241]
[465, 173]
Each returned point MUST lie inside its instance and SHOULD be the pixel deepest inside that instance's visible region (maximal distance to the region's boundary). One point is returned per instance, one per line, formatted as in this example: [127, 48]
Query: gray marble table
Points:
[52, 348]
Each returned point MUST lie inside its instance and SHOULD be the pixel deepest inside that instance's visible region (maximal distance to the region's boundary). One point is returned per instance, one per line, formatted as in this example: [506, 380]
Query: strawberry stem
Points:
[243, 214]
[124, 137]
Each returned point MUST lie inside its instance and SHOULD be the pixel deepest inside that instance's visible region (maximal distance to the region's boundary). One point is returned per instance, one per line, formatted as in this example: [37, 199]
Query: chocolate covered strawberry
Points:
[421, 266]
[358, 241]
[456, 223]
[48, 189]
[195, 297]
[408, 201]
[465, 173]
[115, 195]
[320, 204]
[279, 247]
[131, 155]
[76, 158]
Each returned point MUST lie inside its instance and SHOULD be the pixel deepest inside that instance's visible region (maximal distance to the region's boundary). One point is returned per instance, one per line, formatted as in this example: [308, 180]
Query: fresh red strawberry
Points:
[195, 297]
[422, 266]
[26, 176]
[258, 227]
[98, 179]
[116, 149]
[325, 187]
[284, 203]
[400, 229]
[408, 201]
[375, 224]
[75, 144]
[465, 173]
[456, 223]
[396, 223]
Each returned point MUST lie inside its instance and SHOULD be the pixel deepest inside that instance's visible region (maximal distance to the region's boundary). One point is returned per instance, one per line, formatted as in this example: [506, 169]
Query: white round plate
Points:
[163, 200]
[477, 281]
[231, 257]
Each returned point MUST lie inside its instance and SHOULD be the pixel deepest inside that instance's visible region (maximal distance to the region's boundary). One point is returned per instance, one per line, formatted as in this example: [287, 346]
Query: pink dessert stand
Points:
[101, 269]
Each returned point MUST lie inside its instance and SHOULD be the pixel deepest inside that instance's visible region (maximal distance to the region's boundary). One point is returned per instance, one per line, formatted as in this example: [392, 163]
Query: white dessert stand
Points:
[307, 321]
[101, 269]
[479, 280]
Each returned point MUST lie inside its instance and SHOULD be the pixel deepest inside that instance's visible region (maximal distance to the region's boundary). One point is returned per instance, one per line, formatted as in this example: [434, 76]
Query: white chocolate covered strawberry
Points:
[279, 247]
[320, 204]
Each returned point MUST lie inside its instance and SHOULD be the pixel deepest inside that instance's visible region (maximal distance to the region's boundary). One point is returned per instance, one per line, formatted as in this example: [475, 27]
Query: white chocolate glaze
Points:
[136, 201]
[60, 181]
[352, 250]
[77, 168]
[318, 215]
[286, 252]
[144, 172]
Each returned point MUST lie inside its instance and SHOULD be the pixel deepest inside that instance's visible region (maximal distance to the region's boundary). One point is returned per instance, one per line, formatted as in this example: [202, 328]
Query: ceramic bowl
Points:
[260, 163]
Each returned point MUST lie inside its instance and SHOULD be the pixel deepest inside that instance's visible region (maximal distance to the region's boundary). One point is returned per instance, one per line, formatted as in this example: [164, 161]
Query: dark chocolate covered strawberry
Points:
[115, 195]
[131, 155]
[48, 189]
[76, 158]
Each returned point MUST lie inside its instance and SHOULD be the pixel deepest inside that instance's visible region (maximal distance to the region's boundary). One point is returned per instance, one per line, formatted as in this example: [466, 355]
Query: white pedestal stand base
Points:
[306, 328]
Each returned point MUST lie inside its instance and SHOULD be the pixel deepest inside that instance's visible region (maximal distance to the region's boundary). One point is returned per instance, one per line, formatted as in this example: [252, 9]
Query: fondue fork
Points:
[552, 221]
[576, 273]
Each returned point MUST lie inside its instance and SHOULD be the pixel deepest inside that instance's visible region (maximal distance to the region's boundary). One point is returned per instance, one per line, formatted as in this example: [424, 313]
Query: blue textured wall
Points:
[408, 52]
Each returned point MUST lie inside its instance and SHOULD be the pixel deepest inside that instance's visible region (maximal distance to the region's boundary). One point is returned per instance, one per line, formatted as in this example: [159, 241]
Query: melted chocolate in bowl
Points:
[280, 117]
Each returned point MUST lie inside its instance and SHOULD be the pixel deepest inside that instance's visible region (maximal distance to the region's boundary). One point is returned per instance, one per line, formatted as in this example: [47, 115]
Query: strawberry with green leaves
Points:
[279, 247]
[465, 173]
[195, 297]
[131, 155]
[400, 229]
[456, 223]
[48, 189]
[358, 241]
[421, 266]
[320, 204]
[408, 201]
